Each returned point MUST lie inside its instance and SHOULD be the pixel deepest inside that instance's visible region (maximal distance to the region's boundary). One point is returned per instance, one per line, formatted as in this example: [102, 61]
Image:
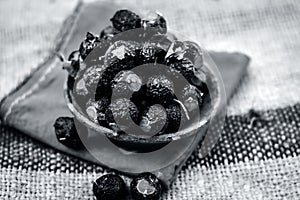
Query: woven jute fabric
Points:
[258, 161]
[271, 179]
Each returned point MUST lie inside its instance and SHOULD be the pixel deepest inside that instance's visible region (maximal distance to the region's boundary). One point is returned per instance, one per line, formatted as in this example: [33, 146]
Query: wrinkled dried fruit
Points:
[124, 20]
[109, 186]
[88, 44]
[66, 132]
[150, 53]
[154, 119]
[92, 76]
[155, 20]
[191, 98]
[183, 66]
[160, 88]
[173, 111]
[121, 114]
[146, 186]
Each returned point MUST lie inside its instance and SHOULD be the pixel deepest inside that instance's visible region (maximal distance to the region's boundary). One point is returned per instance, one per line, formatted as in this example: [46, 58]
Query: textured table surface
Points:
[255, 164]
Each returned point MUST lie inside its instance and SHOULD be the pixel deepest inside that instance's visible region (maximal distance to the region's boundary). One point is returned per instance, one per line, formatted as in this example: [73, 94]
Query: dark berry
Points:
[154, 119]
[125, 84]
[124, 20]
[121, 114]
[120, 56]
[101, 107]
[72, 67]
[96, 109]
[155, 20]
[66, 132]
[75, 63]
[130, 78]
[109, 187]
[176, 48]
[160, 88]
[163, 41]
[120, 90]
[192, 98]
[92, 76]
[103, 88]
[151, 53]
[183, 66]
[173, 111]
[188, 50]
[146, 186]
[120, 50]
[199, 80]
[89, 43]
[102, 104]
[194, 53]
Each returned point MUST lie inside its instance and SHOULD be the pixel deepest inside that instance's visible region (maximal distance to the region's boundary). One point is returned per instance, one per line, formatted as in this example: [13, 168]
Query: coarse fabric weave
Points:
[257, 162]
[249, 162]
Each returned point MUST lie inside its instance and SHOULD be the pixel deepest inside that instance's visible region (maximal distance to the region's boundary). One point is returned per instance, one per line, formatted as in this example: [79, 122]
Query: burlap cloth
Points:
[248, 163]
